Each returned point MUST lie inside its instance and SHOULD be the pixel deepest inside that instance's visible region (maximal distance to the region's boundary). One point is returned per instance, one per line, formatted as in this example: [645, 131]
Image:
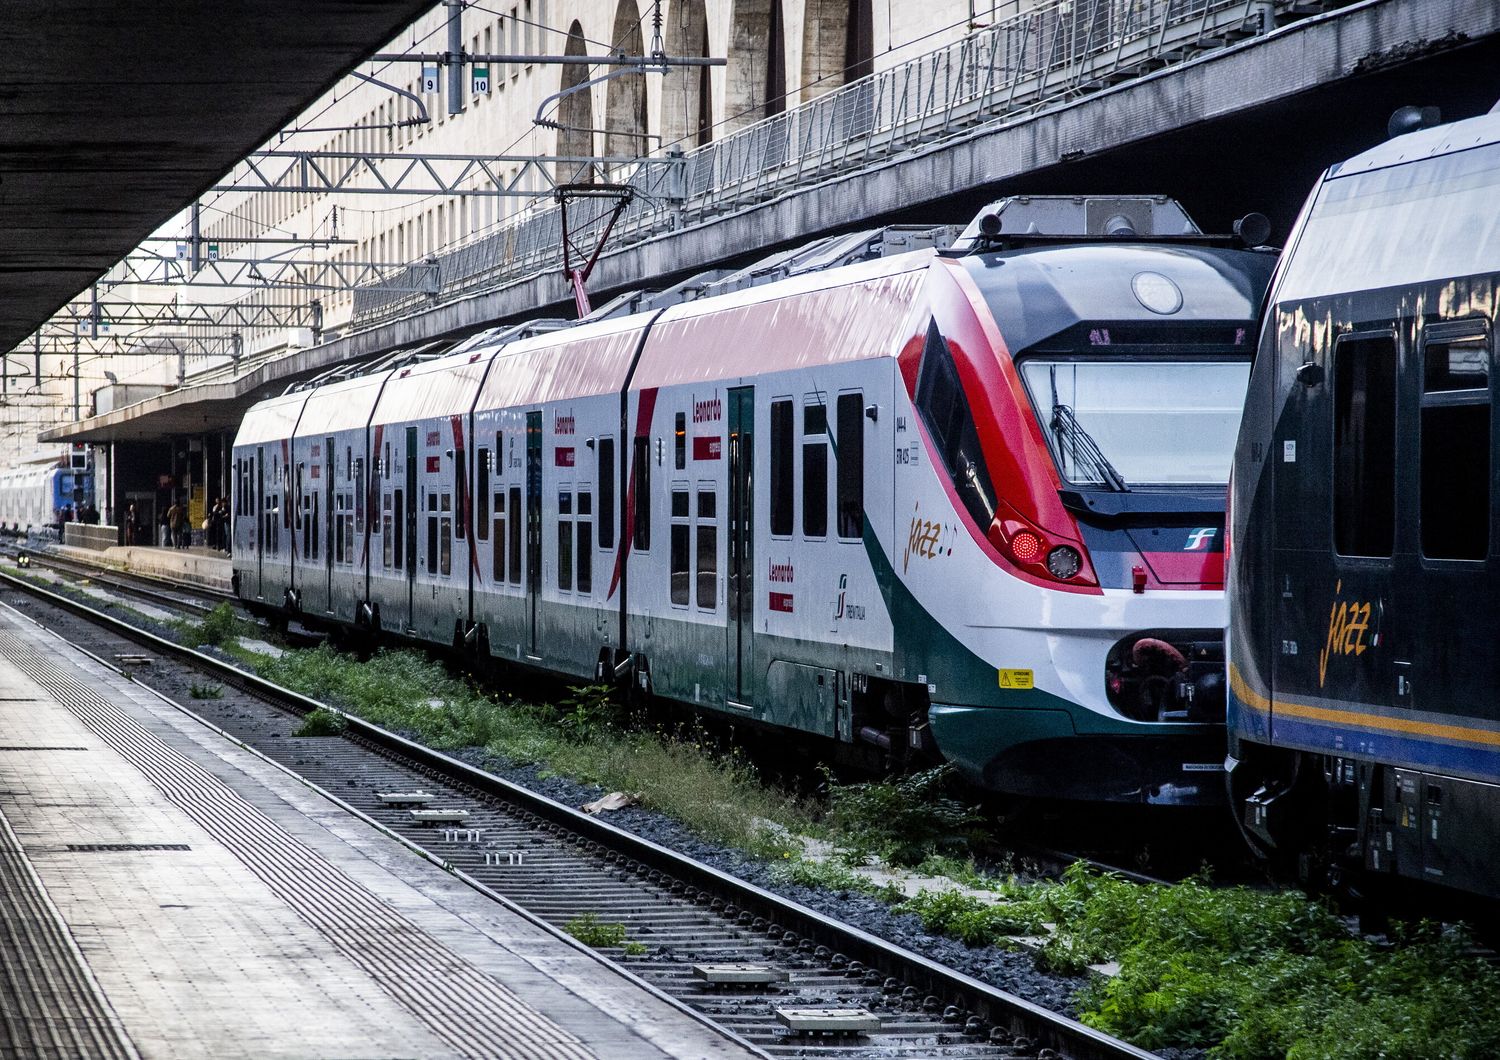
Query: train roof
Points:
[852, 313]
[1038, 292]
[1424, 143]
[271, 420]
[576, 363]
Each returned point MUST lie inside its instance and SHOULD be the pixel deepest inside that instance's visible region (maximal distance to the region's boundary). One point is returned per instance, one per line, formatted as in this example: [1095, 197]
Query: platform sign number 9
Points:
[481, 80]
[429, 79]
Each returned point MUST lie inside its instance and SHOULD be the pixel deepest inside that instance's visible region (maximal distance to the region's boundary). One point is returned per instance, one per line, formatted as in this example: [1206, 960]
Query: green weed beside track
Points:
[1234, 972]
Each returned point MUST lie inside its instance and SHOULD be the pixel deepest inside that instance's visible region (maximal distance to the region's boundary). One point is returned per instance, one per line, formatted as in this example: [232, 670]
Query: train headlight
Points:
[1025, 547]
[1063, 562]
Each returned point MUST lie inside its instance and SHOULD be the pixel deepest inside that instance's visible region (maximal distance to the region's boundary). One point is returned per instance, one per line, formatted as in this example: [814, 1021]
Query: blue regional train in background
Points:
[34, 495]
[962, 505]
[1364, 666]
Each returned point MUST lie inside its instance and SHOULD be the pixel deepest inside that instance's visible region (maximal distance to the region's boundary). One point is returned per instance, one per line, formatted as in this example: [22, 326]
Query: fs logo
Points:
[1200, 539]
[843, 586]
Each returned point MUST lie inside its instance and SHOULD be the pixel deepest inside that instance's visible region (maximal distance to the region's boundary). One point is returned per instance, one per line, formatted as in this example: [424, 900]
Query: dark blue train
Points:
[1364, 670]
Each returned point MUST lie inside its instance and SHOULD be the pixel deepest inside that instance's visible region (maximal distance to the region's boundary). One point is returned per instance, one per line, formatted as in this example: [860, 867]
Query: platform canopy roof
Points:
[114, 116]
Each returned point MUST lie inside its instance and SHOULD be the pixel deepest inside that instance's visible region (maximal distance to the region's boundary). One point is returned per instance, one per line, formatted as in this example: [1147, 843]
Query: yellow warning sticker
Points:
[1016, 679]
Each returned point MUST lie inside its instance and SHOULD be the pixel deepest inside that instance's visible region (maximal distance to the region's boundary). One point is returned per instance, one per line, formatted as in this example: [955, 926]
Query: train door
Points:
[329, 526]
[741, 580]
[257, 516]
[533, 524]
[1332, 604]
[411, 528]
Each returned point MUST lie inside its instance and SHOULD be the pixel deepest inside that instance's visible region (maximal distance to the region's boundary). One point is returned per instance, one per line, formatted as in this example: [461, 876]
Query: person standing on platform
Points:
[132, 525]
[176, 520]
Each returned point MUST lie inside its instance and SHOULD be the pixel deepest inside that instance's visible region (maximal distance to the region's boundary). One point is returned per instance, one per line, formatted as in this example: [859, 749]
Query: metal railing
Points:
[1038, 56]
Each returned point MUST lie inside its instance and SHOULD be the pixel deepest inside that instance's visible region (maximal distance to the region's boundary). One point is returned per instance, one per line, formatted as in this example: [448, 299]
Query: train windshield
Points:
[1119, 424]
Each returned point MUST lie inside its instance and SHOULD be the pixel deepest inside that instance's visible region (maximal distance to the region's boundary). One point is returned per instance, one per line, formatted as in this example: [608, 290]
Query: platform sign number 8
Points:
[429, 79]
[481, 80]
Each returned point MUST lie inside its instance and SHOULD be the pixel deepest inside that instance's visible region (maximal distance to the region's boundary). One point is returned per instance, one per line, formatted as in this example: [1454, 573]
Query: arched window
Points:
[687, 94]
[625, 96]
[838, 45]
[755, 79]
[575, 113]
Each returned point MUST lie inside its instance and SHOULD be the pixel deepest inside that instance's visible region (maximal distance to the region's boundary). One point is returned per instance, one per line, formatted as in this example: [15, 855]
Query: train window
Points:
[385, 528]
[814, 468]
[1364, 445]
[515, 535]
[432, 533]
[851, 464]
[941, 404]
[681, 534]
[399, 548]
[497, 557]
[359, 496]
[585, 543]
[781, 467]
[461, 490]
[679, 441]
[565, 540]
[348, 528]
[642, 533]
[707, 552]
[1455, 447]
[605, 450]
[445, 536]
[339, 517]
[482, 520]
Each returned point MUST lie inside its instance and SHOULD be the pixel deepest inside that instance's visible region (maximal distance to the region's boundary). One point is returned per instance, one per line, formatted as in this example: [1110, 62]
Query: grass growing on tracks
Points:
[598, 934]
[219, 628]
[718, 796]
[1243, 973]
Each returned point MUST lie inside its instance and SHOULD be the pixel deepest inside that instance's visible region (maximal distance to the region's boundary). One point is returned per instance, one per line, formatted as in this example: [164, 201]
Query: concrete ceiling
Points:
[114, 116]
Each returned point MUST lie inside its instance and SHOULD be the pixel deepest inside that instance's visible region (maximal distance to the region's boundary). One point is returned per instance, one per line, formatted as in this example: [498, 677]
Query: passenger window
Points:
[585, 526]
[707, 552]
[814, 468]
[445, 532]
[498, 555]
[1364, 445]
[432, 534]
[781, 467]
[606, 520]
[679, 441]
[385, 527]
[565, 540]
[643, 494]
[515, 535]
[945, 412]
[680, 536]
[1455, 446]
[400, 523]
[851, 464]
[482, 520]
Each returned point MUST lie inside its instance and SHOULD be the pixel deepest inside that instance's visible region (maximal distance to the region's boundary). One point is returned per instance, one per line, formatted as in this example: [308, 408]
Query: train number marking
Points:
[1289, 647]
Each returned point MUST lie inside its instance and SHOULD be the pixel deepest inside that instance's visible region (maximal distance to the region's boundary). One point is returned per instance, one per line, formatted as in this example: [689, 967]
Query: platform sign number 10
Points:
[481, 80]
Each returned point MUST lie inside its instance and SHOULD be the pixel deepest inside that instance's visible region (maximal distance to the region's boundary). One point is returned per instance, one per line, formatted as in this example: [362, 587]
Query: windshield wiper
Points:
[1081, 446]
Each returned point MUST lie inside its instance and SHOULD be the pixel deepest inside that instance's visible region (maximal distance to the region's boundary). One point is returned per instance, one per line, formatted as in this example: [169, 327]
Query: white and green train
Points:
[947, 504]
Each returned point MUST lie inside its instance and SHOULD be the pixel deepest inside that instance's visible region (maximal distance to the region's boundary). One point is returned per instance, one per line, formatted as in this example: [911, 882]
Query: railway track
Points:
[785, 978]
[163, 592]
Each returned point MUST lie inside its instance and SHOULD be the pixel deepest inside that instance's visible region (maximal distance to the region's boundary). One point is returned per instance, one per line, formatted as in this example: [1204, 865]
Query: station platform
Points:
[195, 566]
[165, 892]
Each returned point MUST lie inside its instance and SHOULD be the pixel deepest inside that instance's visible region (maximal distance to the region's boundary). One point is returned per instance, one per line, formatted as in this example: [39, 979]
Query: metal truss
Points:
[56, 343]
[392, 173]
[231, 316]
[275, 273]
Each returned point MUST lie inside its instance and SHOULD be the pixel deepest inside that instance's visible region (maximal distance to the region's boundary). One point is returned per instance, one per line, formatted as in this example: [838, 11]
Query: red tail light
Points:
[1031, 550]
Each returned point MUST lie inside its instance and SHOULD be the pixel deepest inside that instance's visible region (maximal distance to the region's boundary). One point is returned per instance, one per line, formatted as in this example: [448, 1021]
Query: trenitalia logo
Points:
[1200, 539]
